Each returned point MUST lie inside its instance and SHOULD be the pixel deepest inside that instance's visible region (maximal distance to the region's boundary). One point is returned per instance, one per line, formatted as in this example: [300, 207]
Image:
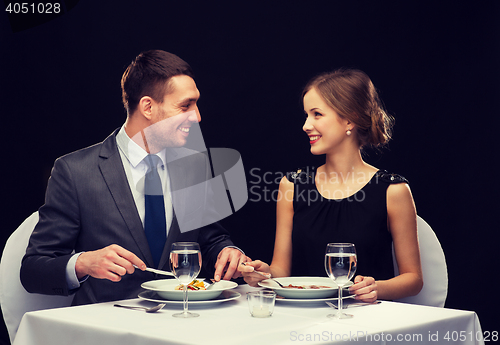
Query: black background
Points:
[436, 66]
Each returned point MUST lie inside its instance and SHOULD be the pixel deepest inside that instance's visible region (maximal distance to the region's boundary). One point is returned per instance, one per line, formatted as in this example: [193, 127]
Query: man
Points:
[93, 227]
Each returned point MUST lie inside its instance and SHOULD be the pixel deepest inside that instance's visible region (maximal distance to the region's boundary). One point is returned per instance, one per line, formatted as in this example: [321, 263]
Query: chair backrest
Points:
[434, 270]
[14, 299]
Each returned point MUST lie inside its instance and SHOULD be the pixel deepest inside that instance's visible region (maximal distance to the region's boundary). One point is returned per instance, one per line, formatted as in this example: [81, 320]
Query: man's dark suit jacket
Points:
[89, 206]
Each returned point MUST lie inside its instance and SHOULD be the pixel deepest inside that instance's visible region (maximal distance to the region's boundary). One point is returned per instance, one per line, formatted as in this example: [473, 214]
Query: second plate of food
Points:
[303, 287]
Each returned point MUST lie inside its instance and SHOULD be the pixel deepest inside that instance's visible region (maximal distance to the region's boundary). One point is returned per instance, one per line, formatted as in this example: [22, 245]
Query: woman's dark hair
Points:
[148, 75]
[351, 94]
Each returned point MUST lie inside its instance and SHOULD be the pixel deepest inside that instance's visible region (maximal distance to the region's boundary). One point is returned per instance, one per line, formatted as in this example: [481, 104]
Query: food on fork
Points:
[195, 285]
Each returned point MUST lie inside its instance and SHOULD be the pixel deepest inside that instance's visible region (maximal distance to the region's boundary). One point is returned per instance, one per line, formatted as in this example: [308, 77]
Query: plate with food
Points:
[345, 296]
[170, 289]
[304, 287]
[225, 296]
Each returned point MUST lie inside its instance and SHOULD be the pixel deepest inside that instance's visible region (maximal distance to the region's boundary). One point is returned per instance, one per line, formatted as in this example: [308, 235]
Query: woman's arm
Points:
[281, 265]
[402, 223]
[402, 218]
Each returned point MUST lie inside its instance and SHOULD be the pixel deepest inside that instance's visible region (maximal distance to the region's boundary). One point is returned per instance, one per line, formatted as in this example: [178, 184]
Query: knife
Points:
[154, 270]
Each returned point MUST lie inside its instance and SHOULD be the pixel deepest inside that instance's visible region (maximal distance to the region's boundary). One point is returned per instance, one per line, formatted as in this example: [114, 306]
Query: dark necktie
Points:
[155, 224]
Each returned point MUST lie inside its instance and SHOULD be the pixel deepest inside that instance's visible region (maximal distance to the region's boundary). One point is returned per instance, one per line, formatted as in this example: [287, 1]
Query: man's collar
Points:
[134, 153]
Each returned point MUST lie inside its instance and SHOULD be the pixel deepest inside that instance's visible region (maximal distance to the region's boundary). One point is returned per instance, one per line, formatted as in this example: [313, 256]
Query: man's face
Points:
[173, 118]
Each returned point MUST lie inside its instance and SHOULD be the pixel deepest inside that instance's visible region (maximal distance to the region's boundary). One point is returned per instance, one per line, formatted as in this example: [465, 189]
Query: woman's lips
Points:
[314, 138]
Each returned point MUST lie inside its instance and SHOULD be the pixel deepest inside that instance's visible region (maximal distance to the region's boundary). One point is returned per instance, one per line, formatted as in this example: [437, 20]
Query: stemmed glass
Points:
[185, 263]
[340, 265]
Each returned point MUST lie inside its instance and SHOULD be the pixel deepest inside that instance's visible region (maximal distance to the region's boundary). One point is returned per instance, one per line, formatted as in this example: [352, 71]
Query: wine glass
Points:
[185, 263]
[340, 265]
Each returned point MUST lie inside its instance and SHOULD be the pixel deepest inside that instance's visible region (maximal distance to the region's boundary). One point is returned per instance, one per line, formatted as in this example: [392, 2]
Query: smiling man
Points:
[109, 207]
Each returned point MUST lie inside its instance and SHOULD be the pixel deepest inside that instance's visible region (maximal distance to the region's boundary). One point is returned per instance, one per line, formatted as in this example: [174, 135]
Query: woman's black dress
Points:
[360, 219]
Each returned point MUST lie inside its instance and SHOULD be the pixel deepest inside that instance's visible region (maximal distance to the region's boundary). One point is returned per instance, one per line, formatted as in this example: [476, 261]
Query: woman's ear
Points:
[349, 125]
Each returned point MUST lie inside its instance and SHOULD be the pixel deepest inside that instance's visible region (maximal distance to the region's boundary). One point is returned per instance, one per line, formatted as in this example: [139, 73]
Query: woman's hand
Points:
[252, 278]
[365, 288]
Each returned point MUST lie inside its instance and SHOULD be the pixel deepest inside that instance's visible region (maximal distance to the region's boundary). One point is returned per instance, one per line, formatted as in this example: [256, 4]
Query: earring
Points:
[348, 132]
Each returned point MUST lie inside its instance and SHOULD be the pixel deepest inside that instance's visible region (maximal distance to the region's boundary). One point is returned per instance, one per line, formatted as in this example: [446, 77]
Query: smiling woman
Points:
[365, 206]
[353, 97]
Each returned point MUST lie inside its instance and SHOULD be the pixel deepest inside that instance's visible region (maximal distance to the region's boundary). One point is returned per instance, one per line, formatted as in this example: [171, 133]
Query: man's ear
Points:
[145, 107]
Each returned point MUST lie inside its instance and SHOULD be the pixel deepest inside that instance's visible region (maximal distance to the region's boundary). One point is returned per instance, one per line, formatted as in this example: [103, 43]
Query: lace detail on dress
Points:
[302, 175]
[390, 177]
[306, 175]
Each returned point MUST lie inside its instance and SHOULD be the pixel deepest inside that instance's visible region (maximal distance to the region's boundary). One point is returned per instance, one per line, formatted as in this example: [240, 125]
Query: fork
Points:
[267, 277]
[147, 310]
[351, 304]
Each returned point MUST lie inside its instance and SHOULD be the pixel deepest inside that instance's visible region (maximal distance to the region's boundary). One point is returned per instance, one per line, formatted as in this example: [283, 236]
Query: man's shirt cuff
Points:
[71, 278]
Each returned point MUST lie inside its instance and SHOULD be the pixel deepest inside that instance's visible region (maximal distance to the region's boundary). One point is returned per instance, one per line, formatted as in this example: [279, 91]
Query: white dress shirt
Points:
[132, 156]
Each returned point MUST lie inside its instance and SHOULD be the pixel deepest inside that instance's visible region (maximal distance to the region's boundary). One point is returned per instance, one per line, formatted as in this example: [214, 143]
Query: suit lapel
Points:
[112, 170]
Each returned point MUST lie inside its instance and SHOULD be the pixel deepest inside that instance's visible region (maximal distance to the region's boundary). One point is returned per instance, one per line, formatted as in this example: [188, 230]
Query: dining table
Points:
[230, 322]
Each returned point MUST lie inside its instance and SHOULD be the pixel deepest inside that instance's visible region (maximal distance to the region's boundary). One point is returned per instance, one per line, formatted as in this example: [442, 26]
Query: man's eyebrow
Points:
[188, 100]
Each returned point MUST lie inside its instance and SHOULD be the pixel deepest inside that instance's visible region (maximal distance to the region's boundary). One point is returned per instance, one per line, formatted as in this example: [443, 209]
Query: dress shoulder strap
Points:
[390, 177]
[301, 175]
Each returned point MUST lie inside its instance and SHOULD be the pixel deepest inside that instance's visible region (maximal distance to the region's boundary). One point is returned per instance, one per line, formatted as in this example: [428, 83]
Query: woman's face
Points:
[325, 128]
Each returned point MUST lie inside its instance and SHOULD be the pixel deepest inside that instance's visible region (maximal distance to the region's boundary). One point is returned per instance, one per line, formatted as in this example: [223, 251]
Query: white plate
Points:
[303, 293]
[223, 297]
[310, 300]
[165, 288]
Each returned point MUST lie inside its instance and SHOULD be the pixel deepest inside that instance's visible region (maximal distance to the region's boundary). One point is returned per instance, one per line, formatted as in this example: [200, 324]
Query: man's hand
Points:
[227, 263]
[111, 262]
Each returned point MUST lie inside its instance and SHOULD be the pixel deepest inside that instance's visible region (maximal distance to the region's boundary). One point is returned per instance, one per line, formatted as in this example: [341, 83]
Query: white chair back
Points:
[434, 270]
[14, 299]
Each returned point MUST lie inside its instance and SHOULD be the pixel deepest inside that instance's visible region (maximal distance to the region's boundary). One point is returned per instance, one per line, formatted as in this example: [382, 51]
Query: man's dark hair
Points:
[149, 74]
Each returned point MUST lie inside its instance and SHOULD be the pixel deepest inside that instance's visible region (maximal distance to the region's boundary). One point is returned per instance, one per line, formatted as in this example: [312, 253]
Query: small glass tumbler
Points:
[261, 303]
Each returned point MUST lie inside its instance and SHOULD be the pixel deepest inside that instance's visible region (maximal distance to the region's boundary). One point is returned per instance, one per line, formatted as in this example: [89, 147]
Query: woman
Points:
[346, 199]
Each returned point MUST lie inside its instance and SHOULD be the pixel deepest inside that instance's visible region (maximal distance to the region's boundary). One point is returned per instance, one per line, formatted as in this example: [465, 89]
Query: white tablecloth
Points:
[231, 323]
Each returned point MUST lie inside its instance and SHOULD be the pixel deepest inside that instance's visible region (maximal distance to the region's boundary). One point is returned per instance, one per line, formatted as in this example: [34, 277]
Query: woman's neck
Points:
[344, 168]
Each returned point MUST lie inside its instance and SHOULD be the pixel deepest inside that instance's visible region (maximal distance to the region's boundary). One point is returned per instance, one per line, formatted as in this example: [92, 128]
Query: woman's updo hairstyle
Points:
[351, 94]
